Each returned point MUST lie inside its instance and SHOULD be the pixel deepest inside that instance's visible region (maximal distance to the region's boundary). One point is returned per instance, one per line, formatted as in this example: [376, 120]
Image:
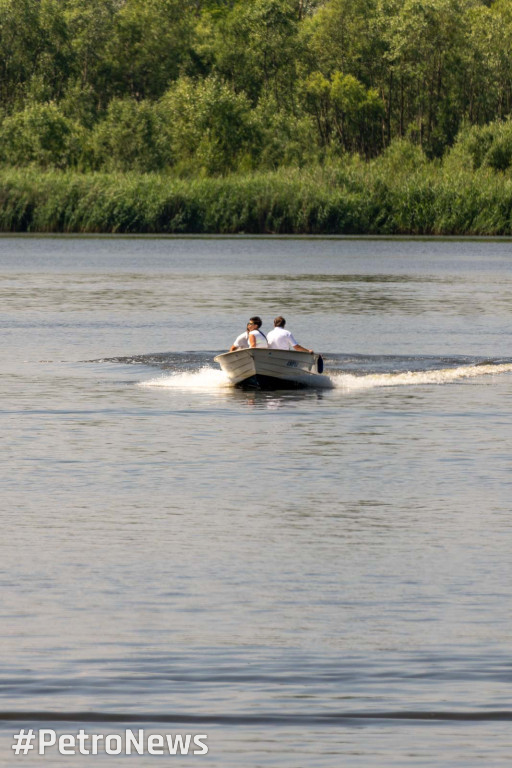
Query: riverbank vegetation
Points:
[400, 192]
[314, 116]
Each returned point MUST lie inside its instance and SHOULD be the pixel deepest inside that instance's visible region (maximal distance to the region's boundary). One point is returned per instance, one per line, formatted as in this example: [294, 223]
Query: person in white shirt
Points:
[252, 337]
[242, 341]
[256, 337]
[280, 338]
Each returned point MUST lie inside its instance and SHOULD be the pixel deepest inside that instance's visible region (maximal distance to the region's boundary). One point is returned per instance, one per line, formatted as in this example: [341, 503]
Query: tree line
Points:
[209, 87]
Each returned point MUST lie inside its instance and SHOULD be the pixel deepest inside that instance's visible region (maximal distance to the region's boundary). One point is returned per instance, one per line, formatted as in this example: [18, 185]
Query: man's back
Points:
[280, 338]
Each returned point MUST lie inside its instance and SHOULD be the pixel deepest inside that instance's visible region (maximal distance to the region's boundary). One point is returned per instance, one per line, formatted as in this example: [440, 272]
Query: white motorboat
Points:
[259, 368]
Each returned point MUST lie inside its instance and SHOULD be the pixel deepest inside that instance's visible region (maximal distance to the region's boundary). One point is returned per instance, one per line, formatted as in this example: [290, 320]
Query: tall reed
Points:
[354, 198]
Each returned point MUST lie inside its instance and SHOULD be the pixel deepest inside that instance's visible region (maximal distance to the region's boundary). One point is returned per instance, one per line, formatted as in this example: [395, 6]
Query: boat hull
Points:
[273, 369]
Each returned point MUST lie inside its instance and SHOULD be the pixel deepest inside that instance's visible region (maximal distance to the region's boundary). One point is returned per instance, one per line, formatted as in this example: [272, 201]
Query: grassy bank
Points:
[358, 198]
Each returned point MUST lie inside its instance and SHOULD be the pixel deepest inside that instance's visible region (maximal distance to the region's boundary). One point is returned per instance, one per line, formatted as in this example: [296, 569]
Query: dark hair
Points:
[279, 322]
[256, 320]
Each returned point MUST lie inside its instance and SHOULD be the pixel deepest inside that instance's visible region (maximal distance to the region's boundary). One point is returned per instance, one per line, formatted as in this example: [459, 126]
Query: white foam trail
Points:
[348, 381]
[204, 378]
[215, 379]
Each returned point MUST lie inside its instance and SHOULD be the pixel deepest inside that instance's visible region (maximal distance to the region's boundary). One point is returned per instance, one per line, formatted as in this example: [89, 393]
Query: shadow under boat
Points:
[269, 369]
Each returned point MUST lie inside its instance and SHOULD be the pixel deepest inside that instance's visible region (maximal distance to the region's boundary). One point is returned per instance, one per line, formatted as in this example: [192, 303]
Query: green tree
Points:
[209, 127]
[41, 134]
[19, 46]
[345, 111]
[285, 138]
[346, 35]
[90, 28]
[150, 43]
[427, 39]
[129, 138]
[34, 51]
[257, 48]
[484, 146]
[488, 64]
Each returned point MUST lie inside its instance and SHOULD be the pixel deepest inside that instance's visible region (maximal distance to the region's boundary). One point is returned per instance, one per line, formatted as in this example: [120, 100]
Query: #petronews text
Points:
[127, 743]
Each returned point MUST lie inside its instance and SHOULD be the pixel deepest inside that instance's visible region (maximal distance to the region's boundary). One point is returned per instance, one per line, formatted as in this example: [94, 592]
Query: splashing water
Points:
[204, 378]
[348, 381]
[213, 378]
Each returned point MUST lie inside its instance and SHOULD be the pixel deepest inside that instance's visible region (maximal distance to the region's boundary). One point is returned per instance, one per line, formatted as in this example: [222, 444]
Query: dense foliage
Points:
[211, 87]
[400, 192]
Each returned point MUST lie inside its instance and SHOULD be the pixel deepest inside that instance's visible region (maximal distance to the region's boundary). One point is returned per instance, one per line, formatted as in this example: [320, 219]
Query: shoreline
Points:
[241, 236]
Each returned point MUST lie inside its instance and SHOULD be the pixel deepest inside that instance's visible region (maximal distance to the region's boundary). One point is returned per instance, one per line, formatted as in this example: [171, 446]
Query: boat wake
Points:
[195, 370]
[204, 378]
[349, 381]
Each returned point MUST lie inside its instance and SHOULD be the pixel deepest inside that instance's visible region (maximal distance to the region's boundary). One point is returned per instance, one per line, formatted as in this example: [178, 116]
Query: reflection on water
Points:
[282, 399]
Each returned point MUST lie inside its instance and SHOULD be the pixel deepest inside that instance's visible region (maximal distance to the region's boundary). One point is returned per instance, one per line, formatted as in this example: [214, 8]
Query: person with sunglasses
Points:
[256, 337]
[244, 340]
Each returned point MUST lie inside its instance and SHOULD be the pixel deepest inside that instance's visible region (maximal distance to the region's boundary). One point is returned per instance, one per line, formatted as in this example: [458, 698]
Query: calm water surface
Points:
[312, 579]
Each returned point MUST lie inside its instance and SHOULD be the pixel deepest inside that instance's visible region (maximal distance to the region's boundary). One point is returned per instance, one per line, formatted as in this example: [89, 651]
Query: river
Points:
[314, 578]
